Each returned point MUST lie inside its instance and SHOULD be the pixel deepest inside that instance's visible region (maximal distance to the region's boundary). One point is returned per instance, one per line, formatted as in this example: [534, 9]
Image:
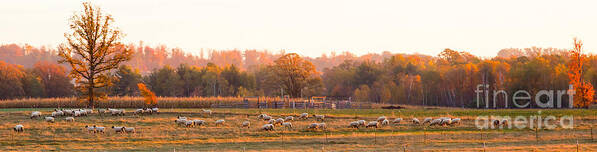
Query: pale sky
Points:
[319, 26]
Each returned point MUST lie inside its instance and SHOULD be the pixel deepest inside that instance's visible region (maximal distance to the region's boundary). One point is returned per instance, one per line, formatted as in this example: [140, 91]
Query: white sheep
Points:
[287, 125]
[90, 128]
[18, 128]
[99, 129]
[397, 121]
[246, 124]
[455, 121]
[267, 118]
[138, 111]
[279, 121]
[373, 124]
[385, 122]
[354, 124]
[446, 121]
[71, 119]
[68, 112]
[426, 120]
[313, 126]
[35, 114]
[362, 123]
[435, 122]
[179, 117]
[101, 111]
[57, 113]
[155, 110]
[416, 121]
[304, 116]
[129, 129]
[382, 118]
[180, 121]
[319, 117]
[49, 119]
[198, 122]
[321, 126]
[267, 127]
[206, 111]
[77, 113]
[289, 118]
[88, 111]
[189, 123]
[220, 122]
[118, 129]
[147, 110]
[261, 116]
[272, 121]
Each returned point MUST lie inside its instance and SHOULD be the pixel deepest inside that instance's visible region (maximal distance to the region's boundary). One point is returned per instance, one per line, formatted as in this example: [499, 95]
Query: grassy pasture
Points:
[159, 133]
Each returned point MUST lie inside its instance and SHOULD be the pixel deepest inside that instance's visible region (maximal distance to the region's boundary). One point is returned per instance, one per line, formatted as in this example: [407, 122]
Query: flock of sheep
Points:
[270, 122]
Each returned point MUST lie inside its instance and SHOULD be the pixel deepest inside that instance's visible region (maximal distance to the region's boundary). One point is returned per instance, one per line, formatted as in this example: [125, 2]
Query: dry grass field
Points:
[160, 133]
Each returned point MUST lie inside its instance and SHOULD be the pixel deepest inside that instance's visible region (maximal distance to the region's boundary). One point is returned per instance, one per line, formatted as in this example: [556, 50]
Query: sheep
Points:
[272, 121]
[504, 122]
[147, 110]
[319, 117]
[313, 126]
[138, 111]
[88, 111]
[128, 129]
[426, 120]
[354, 124]
[198, 122]
[289, 118]
[18, 128]
[246, 124]
[435, 122]
[261, 116]
[321, 126]
[116, 112]
[101, 111]
[362, 123]
[385, 122]
[118, 129]
[76, 113]
[155, 110]
[267, 127]
[304, 116]
[372, 124]
[71, 119]
[68, 112]
[90, 129]
[189, 123]
[446, 121]
[416, 121]
[382, 118]
[180, 121]
[179, 117]
[496, 122]
[279, 121]
[98, 129]
[35, 114]
[220, 122]
[397, 120]
[267, 118]
[57, 113]
[288, 125]
[455, 121]
[206, 111]
[49, 119]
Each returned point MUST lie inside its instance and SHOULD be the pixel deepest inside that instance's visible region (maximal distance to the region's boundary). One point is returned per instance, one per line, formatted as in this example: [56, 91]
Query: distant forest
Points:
[447, 79]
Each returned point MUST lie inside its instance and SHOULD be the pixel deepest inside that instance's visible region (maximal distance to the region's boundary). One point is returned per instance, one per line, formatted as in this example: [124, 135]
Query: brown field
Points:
[160, 133]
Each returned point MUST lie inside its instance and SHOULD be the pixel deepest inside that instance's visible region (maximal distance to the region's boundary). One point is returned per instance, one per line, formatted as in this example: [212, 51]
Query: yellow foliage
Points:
[150, 98]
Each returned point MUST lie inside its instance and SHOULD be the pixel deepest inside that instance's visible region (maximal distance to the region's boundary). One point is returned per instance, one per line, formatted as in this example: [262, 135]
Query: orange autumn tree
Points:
[584, 90]
[150, 98]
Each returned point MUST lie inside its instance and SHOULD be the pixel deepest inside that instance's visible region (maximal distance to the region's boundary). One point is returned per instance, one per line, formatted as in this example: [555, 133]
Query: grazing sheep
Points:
[288, 125]
[321, 126]
[446, 121]
[504, 122]
[397, 120]
[435, 122]
[179, 117]
[116, 112]
[246, 124]
[382, 118]
[68, 112]
[416, 121]
[189, 123]
[147, 110]
[496, 122]
[372, 124]
[76, 113]
[267, 118]
[313, 126]
[354, 124]
[57, 113]
[319, 117]
[267, 127]
[289, 118]
[18, 128]
[426, 120]
[220, 122]
[155, 110]
[180, 121]
[101, 111]
[455, 121]
[118, 129]
[198, 122]
[90, 129]
[128, 129]
[304, 116]
[88, 111]
[138, 111]
[71, 119]
[35, 114]
[206, 111]
[272, 121]
[279, 121]
[99, 129]
[49, 119]
[362, 123]
[261, 116]
[385, 122]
